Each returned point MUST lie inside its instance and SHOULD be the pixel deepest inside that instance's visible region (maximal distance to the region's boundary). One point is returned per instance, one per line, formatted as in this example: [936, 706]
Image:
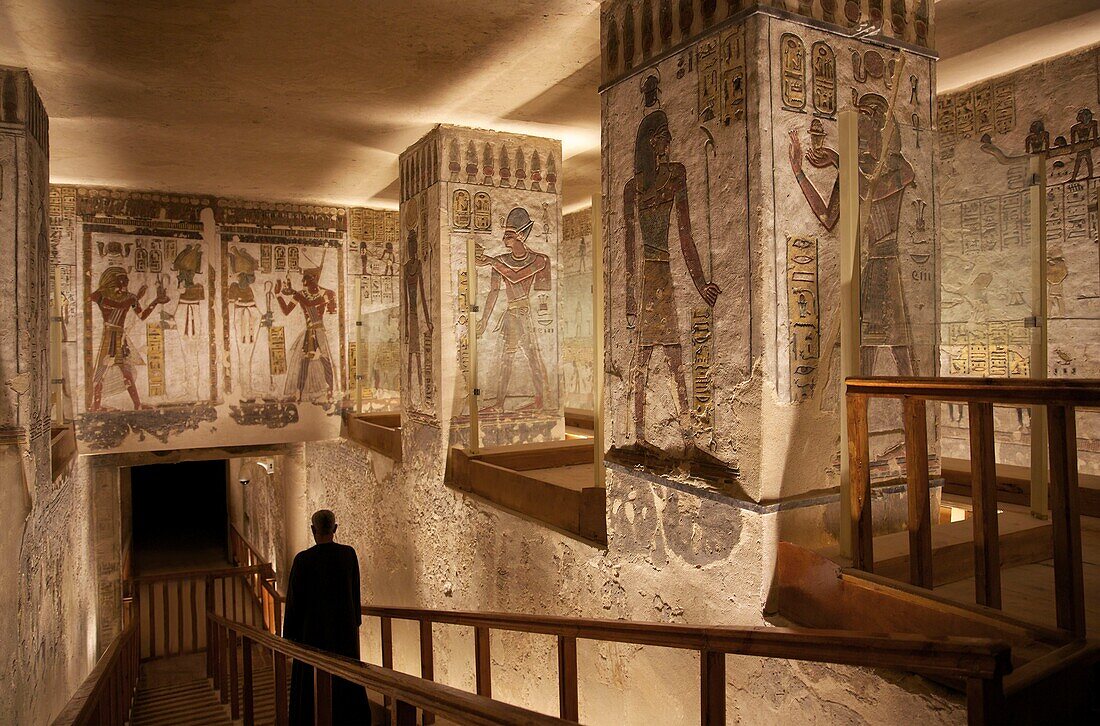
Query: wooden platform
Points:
[379, 432]
[552, 482]
[1014, 484]
[1024, 540]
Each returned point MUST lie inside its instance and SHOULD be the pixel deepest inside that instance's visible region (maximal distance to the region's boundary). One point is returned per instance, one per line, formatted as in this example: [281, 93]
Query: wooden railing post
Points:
[712, 688]
[223, 662]
[282, 703]
[568, 707]
[208, 606]
[404, 714]
[1066, 519]
[859, 467]
[482, 662]
[985, 701]
[322, 697]
[137, 613]
[152, 621]
[246, 653]
[916, 476]
[167, 621]
[427, 660]
[387, 652]
[179, 616]
[234, 690]
[983, 494]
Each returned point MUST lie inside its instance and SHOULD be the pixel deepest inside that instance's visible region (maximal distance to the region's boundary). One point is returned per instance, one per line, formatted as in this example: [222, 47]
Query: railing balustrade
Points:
[981, 663]
[1060, 398]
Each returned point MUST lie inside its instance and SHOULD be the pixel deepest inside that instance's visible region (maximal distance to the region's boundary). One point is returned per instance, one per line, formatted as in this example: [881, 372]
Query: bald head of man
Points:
[323, 525]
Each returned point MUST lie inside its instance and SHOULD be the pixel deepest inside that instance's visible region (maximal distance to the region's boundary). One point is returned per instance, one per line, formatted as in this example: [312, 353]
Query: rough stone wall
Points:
[985, 133]
[199, 310]
[672, 556]
[576, 310]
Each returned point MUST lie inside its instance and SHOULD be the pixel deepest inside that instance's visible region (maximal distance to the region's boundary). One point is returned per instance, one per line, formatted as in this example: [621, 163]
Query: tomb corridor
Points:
[664, 362]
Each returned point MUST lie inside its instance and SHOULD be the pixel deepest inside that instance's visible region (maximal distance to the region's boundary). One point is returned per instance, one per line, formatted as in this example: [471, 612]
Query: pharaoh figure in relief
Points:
[520, 271]
[242, 299]
[658, 189]
[311, 374]
[117, 357]
[884, 176]
[417, 294]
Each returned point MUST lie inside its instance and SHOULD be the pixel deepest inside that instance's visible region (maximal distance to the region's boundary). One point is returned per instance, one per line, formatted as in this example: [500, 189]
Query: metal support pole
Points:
[472, 310]
[1037, 202]
[597, 338]
[359, 343]
[848, 231]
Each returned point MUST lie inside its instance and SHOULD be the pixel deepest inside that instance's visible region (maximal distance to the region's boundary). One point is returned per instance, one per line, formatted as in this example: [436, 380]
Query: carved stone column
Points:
[720, 127]
[502, 192]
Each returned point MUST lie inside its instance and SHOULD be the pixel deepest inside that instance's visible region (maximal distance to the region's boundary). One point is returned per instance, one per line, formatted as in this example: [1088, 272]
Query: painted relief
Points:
[805, 316]
[628, 25]
[576, 310]
[885, 176]
[374, 302]
[418, 304]
[792, 63]
[988, 134]
[823, 67]
[522, 273]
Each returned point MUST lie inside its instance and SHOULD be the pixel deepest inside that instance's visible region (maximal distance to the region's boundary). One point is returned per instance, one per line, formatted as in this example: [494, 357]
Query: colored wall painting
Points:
[374, 271]
[575, 294]
[200, 317]
[986, 134]
[898, 267]
[678, 339]
[146, 267]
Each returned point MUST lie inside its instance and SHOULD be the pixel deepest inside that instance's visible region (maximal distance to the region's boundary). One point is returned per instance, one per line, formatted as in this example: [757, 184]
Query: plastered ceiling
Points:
[312, 101]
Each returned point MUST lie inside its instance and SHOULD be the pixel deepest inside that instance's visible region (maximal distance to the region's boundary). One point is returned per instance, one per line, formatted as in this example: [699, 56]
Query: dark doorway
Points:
[180, 516]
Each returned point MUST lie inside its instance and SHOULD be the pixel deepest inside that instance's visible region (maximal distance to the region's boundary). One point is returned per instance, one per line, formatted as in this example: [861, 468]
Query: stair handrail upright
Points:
[1060, 398]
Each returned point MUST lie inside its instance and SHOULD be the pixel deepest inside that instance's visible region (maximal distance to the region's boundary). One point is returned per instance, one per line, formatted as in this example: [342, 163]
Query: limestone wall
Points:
[673, 556]
[576, 310]
[48, 640]
[194, 308]
[985, 227]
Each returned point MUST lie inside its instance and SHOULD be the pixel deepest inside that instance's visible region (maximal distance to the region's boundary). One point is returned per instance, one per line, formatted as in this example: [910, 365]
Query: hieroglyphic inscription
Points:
[993, 349]
[708, 71]
[804, 314]
[277, 349]
[823, 67]
[460, 209]
[154, 341]
[733, 74]
[702, 389]
[989, 108]
[793, 64]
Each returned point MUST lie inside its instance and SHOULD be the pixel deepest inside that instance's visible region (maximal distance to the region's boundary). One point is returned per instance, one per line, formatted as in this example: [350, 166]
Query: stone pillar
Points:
[295, 507]
[460, 184]
[720, 212]
[24, 330]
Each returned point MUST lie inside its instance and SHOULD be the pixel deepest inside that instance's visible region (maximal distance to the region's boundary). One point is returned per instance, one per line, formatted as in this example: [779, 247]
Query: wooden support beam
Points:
[859, 470]
[249, 705]
[234, 691]
[983, 493]
[483, 663]
[985, 698]
[568, 696]
[916, 476]
[712, 684]
[282, 702]
[427, 660]
[322, 697]
[1066, 517]
[387, 652]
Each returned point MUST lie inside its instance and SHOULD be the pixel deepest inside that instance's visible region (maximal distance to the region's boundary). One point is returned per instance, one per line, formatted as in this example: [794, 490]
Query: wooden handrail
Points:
[408, 692]
[1059, 397]
[982, 663]
[105, 695]
[945, 657]
[209, 572]
[1006, 391]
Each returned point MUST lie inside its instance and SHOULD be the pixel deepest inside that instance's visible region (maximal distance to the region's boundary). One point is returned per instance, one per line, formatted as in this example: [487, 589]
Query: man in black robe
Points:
[323, 610]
